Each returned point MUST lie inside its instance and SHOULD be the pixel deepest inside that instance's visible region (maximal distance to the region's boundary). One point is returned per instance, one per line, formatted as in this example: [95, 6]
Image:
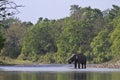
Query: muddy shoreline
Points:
[106, 65]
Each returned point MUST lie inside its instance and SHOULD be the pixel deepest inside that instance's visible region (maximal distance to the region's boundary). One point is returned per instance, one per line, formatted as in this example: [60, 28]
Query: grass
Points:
[9, 61]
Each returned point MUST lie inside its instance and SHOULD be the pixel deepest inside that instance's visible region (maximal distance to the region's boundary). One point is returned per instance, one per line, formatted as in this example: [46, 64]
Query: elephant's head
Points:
[72, 58]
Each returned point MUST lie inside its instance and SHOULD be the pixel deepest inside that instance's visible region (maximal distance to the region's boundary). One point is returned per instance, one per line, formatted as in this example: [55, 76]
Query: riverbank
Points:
[115, 64]
[106, 65]
[54, 68]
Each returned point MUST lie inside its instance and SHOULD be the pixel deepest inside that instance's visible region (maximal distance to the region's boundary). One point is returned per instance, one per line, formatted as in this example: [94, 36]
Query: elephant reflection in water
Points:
[78, 59]
[80, 76]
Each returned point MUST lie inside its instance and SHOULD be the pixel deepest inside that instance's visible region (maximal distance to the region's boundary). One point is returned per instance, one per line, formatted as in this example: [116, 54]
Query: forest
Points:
[87, 30]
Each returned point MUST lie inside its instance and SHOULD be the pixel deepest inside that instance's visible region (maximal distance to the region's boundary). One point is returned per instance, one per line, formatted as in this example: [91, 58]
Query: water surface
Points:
[57, 72]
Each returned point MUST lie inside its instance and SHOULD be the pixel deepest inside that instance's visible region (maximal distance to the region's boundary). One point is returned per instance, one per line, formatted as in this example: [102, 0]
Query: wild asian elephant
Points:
[78, 59]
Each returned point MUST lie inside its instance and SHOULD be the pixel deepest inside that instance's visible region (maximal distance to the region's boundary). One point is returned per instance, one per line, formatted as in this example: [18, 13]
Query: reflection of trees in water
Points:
[39, 76]
[42, 76]
[71, 76]
[9, 76]
[59, 76]
[62, 76]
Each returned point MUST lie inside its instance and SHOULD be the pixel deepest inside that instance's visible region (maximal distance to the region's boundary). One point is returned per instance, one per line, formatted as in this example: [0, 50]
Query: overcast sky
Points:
[56, 9]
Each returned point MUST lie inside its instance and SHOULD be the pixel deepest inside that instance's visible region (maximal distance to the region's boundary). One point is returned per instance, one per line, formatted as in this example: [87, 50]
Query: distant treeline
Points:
[92, 32]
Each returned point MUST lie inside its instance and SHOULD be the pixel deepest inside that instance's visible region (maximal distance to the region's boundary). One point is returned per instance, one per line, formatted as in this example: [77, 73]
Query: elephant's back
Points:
[82, 58]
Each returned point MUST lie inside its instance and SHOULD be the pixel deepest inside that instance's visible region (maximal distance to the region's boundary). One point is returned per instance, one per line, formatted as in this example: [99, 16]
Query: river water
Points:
[57, 72]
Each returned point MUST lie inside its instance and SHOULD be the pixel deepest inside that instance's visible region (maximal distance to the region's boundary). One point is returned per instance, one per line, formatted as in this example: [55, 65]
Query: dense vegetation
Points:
[92, 32]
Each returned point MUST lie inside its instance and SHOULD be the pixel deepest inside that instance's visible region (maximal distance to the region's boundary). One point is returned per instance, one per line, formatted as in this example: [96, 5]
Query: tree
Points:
[115, 36]
[106, 44]
[75, 38]
[2, 39]
[74, 8]
[114, 12]
[38, 40]
[101, 47]
[7, 8]
[14, 38]
[93, 16]
[110, 14]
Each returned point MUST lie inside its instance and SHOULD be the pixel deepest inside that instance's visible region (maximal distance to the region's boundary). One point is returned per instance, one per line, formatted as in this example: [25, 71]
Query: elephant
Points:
[78, 59]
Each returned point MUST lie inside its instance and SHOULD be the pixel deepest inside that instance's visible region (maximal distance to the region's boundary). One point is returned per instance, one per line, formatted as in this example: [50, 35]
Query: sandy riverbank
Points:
[104, 65]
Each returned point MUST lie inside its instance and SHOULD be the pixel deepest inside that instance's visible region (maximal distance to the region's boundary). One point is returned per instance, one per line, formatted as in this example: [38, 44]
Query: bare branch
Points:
[8, 8]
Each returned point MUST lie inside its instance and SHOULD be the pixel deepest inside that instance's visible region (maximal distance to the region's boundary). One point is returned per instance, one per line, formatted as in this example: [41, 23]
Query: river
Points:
[57, 72]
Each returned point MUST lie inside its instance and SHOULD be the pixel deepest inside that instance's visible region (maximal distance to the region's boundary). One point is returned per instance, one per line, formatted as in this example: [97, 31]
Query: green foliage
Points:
[50, 58]
[75, 38]
[86, 30]
[101, 47]
[38, 40]
[7, 9]
[79, 30]
[1, 62]
[2, 40]
[115, 36]
[14, 36]
[106, 44]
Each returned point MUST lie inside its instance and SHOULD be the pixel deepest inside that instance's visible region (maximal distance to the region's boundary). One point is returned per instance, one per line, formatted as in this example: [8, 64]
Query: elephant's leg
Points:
[85, 66]
[82, 66]
[79, 65]
[75, 65]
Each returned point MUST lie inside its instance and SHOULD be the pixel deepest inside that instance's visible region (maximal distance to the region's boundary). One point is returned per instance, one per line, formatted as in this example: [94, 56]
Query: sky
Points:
[56, 9]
